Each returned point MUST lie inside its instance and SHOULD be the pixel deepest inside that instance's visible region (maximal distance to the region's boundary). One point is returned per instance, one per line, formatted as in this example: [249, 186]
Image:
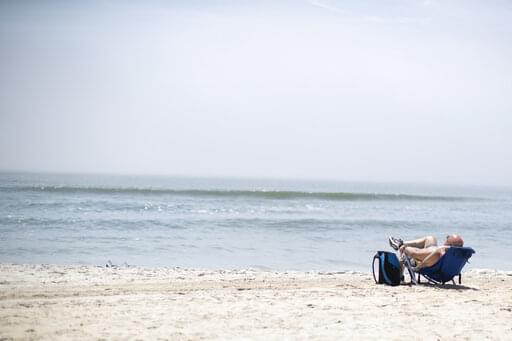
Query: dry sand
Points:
[87, 302]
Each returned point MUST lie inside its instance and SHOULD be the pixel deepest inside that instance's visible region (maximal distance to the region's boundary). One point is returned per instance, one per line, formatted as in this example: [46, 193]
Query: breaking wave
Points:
[256, 194]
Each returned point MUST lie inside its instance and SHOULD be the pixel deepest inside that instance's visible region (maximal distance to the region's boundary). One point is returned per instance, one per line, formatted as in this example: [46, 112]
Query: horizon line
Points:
[264, 177]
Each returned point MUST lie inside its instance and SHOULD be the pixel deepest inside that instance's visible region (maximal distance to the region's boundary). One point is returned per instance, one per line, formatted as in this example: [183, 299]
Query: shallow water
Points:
[235, 223]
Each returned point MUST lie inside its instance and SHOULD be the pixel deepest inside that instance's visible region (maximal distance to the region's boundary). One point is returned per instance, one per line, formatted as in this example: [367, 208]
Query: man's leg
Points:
[422, 243]
[419, 243]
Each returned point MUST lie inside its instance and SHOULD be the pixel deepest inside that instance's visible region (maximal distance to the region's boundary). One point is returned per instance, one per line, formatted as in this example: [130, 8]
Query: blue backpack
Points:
[387, 270]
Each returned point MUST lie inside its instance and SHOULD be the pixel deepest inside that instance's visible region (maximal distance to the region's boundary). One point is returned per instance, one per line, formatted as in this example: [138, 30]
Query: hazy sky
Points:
[384, 90]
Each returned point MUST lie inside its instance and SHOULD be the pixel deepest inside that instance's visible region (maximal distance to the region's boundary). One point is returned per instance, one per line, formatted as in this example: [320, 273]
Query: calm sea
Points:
[239, 223]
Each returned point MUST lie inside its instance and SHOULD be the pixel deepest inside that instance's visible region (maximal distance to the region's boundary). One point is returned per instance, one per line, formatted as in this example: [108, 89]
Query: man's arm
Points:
[432, 258]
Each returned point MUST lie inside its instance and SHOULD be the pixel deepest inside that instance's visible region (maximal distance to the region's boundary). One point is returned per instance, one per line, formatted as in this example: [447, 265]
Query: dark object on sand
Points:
[386, 268]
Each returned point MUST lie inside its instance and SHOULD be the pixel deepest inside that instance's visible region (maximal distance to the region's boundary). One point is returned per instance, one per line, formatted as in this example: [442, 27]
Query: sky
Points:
[389, 90]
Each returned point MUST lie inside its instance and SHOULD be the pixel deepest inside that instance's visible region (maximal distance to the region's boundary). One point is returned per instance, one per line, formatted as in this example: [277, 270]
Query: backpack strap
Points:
[376, 257]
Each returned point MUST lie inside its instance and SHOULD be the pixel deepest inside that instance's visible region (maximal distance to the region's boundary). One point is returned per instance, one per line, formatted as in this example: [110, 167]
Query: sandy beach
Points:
[87, 302]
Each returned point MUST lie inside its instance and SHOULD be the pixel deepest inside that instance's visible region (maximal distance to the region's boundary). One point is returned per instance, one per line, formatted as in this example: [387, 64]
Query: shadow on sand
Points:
[442, 286]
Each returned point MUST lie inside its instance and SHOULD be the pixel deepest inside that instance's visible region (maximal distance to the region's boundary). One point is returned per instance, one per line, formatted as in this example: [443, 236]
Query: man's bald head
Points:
[454, 240]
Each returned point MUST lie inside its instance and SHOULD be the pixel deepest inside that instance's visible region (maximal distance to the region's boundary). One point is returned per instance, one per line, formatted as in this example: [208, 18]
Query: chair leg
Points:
[460, 278]
[419, 278]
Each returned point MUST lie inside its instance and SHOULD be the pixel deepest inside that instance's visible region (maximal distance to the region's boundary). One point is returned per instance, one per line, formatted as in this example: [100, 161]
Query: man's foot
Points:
[395, 243]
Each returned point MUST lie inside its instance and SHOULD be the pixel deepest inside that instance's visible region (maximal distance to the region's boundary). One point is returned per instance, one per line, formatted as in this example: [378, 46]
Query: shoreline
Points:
[44, 301]
[231, 270]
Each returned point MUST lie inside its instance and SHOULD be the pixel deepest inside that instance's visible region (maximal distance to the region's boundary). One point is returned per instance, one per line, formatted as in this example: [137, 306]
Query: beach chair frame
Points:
[433, 281]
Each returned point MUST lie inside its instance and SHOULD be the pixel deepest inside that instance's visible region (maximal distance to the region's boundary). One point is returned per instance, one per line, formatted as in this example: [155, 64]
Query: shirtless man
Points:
[425, 250]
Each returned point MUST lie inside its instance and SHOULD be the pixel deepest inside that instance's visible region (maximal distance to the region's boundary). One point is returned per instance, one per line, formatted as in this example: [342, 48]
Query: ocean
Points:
[239, 223]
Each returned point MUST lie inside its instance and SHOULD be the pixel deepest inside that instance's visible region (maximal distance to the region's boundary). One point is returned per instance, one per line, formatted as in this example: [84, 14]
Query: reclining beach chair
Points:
[449, 266]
